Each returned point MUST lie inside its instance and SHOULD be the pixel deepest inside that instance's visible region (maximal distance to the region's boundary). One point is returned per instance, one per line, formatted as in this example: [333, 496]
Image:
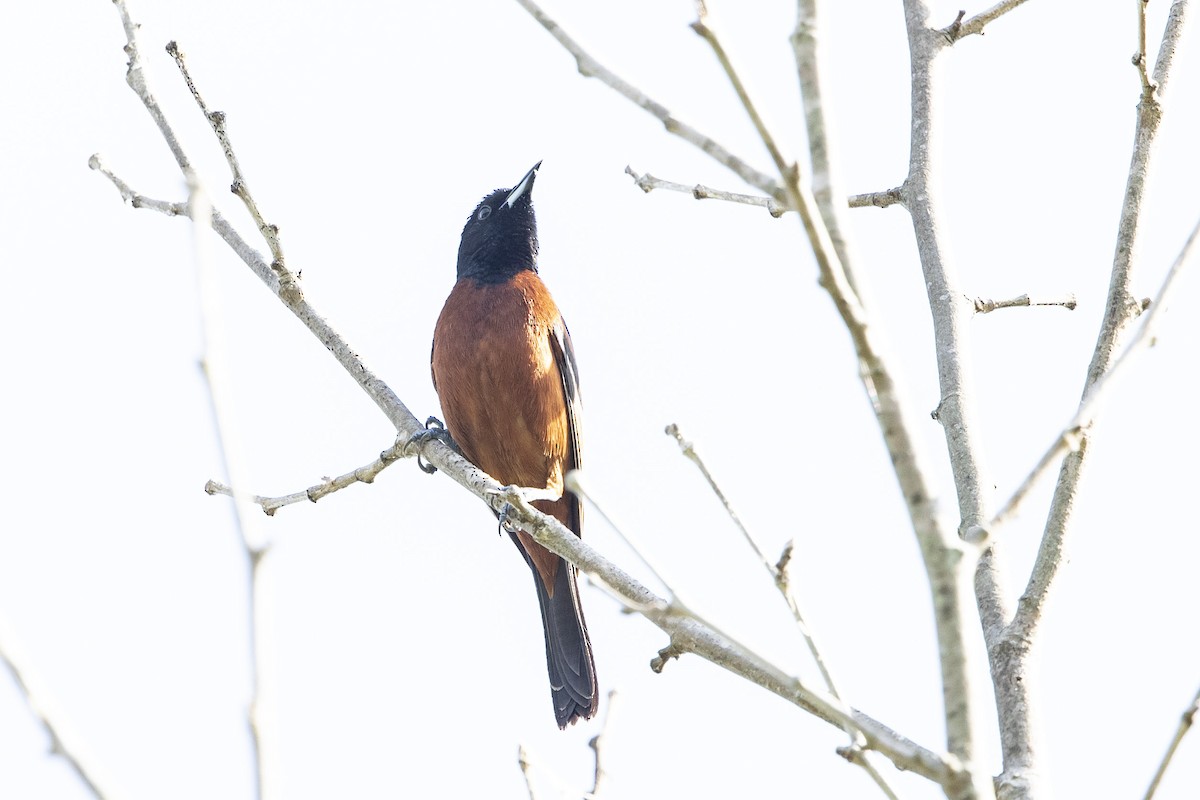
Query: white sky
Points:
[406, 654]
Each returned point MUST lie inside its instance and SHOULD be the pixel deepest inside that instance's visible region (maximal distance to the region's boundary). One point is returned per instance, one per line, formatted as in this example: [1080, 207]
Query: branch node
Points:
[664, 655]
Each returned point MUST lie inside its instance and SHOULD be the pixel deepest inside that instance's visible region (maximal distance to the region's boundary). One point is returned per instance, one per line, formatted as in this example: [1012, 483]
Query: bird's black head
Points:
[500, 238]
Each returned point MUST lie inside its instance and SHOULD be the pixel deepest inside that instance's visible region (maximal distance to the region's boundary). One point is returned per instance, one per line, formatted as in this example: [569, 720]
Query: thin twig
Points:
[598, 742]
[1187, 719]
[820, 126]
[63, 741]
[689, 452]
[986, 306]
[701, 27]
[590, 68]
[780, 577]
[526, 770]
[648, 183]
[239, 187]
[216, 378]
[327, 486]
[575, 483]
[1139, 58]
[1071, 437]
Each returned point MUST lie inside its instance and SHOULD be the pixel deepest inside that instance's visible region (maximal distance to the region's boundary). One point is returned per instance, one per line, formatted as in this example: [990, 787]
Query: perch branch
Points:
[686, 633]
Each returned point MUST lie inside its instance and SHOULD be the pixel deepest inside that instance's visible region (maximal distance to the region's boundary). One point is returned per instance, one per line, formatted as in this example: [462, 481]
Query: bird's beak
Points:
[524, 187]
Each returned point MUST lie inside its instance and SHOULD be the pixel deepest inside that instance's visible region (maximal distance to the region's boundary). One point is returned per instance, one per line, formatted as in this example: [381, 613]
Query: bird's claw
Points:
[434, 429]
[529, 494]
[505, 525]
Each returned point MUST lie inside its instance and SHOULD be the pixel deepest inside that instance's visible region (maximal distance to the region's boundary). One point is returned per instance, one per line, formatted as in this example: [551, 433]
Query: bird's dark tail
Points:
[568, 648]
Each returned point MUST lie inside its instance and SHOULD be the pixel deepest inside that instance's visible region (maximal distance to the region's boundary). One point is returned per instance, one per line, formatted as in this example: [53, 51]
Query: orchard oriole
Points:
[504, 370]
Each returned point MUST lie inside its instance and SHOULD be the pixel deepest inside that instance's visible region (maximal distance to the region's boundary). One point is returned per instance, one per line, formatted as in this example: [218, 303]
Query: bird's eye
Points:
[484, 213]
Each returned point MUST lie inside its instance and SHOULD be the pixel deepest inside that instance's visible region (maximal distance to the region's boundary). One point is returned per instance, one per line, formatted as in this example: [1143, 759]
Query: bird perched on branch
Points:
[504, 370]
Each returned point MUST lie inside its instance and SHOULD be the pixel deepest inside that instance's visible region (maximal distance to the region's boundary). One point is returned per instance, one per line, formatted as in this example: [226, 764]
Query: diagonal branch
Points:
[822, 143]
[780, 577]
[1186, 720]
[975, 25]
[1121, 309]
[1074, 435]
[62, 741]
[216, 119]
[590, 68]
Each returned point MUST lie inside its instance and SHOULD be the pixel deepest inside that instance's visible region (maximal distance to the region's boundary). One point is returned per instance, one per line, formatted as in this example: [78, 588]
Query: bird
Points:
[505, 374]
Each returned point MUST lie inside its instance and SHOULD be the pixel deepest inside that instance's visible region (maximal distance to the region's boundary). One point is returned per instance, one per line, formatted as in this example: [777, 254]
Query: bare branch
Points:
[877, 199]
[689, 452]
[216, 119]
[690, 634]
[1121, 309]
[1186, 721]
[1172, 33]
[63, 741]
[217, 379]
[590, 68]
[701, 27]
[983, 306]
[1139, 58]
[822, 141]
[526, 770]
[975, 25]
[648, 183]
[327, 486]
[1074, 435]
[574, 483]
[780, 577]
[598, 742]
[956, 412]
[944, 559]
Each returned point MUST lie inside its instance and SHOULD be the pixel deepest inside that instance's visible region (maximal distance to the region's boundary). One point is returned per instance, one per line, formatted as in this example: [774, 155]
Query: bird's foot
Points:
[526, 493]
[506, 526]
[435, 429]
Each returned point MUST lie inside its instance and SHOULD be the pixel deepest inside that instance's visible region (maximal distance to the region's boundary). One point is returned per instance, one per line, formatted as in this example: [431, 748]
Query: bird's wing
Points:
[564, 356]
